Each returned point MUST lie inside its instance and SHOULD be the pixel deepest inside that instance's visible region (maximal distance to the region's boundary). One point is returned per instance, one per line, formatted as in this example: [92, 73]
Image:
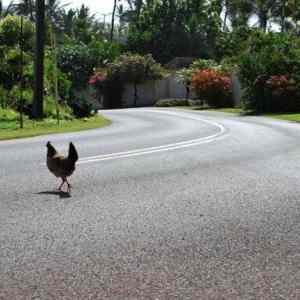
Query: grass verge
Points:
[232, 110]
[294, 117]
[11, 130]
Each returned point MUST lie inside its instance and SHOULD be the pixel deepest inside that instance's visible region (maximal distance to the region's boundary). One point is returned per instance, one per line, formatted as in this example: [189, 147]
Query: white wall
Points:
[168, 87]
[151, 91]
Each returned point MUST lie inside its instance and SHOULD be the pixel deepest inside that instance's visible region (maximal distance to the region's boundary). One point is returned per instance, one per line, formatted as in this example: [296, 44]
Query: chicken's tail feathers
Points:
[51, 150]
[73, 154]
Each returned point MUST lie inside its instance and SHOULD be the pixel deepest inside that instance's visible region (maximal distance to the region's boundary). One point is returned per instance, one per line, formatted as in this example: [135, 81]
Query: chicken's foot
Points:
[65, 180]
[69, 185]
[62, 184]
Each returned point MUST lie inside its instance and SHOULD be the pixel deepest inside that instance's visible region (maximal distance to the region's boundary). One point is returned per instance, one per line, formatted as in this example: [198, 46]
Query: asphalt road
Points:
[167, 204]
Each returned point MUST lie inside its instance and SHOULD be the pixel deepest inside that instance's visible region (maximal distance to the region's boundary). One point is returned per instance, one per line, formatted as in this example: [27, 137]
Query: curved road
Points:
[167, 204]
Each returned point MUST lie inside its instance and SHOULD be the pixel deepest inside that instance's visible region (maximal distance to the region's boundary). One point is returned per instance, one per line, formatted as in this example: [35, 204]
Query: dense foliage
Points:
[220, 35]
[270, 71]
[67, 65]
[127, 68]
[175, 28]
[213, 87]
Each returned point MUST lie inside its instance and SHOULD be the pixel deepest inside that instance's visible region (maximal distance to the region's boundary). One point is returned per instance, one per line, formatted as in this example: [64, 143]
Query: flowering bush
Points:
[281, 93]
[204, 64]
[277, 93]
[213, 87]
[97, 80]
[261, 67]
[281, 86]
[128, 68]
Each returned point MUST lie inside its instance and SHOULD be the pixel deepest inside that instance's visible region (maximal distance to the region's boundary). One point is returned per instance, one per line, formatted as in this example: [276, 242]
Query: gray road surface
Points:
[167, 204]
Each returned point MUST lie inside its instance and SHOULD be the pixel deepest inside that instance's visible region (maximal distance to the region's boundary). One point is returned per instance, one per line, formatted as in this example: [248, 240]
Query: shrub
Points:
[172, 102]
[203, 64]
[82, 105]
[283, 92]
[135, 68]
[10, 33]
[65, 112]
[213, 87]
[64, 84]
[276, 94]
[76, 61]
[3, 97]
[126, 69]
[8, 114]
[10, 66]
[14, 95]
[270, 56]
[103, 52]
[97, 80]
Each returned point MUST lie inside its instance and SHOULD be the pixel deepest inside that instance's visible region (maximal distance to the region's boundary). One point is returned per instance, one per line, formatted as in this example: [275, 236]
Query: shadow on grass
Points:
[61, 194]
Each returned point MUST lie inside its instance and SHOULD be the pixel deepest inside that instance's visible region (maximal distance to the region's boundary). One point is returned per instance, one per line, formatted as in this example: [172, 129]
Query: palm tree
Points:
[37, 108]
[53, 9]
[54, 12]
[25, 8]
[113, 20]
[239, 12]
[4, 11]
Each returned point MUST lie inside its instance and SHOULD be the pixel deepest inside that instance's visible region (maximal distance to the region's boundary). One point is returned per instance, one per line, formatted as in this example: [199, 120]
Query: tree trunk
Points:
[37, 108]
[31, 11]
[225, 19]
[187, 90]
[113, 21]
[282, 17]
[263, 20]
[135, 94]
[55, 71]
[21, 76]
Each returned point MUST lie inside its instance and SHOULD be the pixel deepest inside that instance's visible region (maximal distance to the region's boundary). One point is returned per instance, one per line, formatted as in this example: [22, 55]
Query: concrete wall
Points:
[236, 90]
[151, 91]
[169, 87]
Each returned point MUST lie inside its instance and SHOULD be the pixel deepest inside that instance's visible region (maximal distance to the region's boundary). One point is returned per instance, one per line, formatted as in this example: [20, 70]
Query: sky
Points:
[96, 6]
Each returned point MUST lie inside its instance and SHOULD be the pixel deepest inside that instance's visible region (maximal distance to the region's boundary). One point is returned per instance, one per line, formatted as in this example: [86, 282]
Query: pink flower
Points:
[97, 78]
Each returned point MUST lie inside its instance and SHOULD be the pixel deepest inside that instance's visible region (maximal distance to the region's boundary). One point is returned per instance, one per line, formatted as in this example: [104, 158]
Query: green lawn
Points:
[11, 130]
[233, 110]
[295, 117]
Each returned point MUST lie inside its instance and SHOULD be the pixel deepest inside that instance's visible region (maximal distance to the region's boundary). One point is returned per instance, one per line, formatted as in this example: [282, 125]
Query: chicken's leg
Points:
[62, 184]
[69, 185]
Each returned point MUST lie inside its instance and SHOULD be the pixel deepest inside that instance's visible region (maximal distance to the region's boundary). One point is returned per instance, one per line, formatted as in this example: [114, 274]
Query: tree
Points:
[113, 21]
[4, 11]
[25, 8]
[137, 69]
[82, 25]
[69, 17]
[239, 12]
[128, 68]
[37, 108]
[171, 28]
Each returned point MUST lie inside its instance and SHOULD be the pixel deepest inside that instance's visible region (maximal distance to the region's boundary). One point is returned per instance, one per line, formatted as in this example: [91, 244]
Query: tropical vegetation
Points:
[88, 60]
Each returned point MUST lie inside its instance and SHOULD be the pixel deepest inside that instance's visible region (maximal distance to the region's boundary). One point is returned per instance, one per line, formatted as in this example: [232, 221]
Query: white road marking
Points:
[167, 147]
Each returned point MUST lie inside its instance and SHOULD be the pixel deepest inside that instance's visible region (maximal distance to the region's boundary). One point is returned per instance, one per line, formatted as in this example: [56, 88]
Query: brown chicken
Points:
[61, 166]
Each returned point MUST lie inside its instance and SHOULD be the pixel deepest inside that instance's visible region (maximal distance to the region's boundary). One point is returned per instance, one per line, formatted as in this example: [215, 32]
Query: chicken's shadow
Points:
[61, 194]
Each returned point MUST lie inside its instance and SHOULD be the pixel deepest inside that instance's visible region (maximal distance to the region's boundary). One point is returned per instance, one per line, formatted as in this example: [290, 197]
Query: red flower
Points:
[280, 85]
[97, 79]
